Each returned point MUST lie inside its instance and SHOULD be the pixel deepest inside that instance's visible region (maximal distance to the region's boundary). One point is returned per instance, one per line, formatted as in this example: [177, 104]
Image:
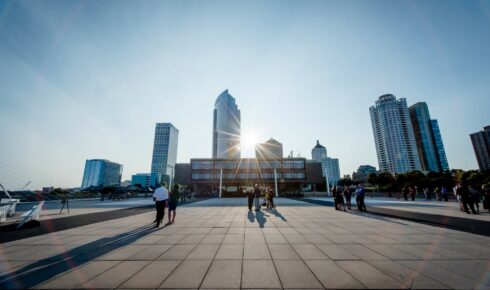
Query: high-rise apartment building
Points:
[330, 166]
[164, 153]
[270, 150]
[481, 146]
[226, 127]
[101, 172]
[393, 135]
[428, 139]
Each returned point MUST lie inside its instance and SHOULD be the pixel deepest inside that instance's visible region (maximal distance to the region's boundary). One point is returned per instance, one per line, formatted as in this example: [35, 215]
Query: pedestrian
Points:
[486, 196]
[412, 192]
[475, 197]
[257, 197]
[160, 197]
[250, 195]
[464, 195]
[438, 194]
[271, 199]
[336, 199]
[172, 203]
[348, 196]
[405, 192]
[445, 195]
[361, 206]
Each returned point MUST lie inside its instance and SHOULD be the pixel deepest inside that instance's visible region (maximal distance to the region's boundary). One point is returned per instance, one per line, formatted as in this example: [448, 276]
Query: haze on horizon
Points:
[89, 79]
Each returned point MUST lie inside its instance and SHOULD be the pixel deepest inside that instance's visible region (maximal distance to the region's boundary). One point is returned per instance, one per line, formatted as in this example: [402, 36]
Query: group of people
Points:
[255, 195]
[342, 197]
[162, 198]
[469, 198]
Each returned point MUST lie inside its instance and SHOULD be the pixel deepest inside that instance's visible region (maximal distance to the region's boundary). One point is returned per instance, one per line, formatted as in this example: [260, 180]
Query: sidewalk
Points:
[212, 246]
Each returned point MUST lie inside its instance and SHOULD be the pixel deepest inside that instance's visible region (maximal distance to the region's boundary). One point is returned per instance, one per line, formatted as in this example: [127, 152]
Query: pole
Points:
[220, 182]
[326, 178]
[275, 182]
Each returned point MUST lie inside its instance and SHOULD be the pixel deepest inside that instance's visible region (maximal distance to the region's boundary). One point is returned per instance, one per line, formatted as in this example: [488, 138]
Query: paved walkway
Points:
[214, 246]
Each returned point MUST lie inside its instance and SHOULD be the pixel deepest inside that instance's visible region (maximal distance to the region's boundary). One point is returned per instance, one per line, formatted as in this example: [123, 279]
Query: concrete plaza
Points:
[218, 243]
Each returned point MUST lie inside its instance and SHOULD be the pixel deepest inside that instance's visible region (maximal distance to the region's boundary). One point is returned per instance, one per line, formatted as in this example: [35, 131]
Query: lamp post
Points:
[220, 182]
[326, 178]
[275, 182]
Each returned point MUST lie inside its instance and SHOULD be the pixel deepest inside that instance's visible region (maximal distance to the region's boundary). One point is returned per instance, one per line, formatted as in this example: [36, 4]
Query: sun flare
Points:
[249, 139]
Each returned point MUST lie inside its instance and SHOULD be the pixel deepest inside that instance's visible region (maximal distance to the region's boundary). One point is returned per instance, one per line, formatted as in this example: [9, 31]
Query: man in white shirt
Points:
[160, 196]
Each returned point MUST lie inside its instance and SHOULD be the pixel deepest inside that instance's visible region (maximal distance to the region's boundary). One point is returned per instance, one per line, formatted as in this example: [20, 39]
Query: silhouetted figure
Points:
[250, 196]
[257, 197]
[360, 198]
[464, 195]
[160, 196]
[348, 196]
[405, 192]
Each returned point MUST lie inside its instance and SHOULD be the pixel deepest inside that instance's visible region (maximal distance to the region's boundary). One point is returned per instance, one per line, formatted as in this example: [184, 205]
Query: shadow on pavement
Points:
[259, 215]
[38, 272]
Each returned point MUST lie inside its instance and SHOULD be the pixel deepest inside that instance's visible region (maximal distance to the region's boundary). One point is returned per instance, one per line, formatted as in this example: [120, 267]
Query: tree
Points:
[345, 182]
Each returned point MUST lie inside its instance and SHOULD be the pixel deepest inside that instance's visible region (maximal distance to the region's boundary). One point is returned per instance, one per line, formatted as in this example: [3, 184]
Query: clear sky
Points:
[89, 79]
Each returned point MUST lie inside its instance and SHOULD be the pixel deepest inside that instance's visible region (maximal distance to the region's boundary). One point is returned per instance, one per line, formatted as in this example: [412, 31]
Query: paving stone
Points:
[78, 276]
[408, 277]
[336, 252]
[275, 239]
[151, 276]
[477, 270]
[213, 239]
[123, 253]
[150, 253]
[390, 252]
[295, 274]
[332, 276]
[236, 230]
[260, 274]
[115, 276]
[317, 238]
[369, 276]
[189, 274]
[223, 274]
[192, 239]
[203, 252]
[309, 252]
[363, 252]
[295, 238]
[282, 252]
[233, 239]
[170, 239]
[256, 251]
[177, 252]
[230, 251]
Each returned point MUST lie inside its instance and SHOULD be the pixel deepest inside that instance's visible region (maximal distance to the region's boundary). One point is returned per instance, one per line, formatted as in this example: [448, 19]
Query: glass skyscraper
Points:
[481, 145]
[393, 135]
[226, 127]
[330, 166]
[101, 172]
[428, 138]
[164, 153]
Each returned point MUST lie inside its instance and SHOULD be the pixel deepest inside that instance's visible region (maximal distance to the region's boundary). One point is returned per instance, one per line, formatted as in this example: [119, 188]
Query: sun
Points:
[249, 139]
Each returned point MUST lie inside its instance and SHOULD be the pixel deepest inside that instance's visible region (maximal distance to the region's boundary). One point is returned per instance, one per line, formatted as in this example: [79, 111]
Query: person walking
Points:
[271, 199]
[348, 196]
[160, 197]
[412, 192]
[336, 200]
[361, 206]
[257, 197]
[464, 196]
[405, 192]
[475, 197]
[445, 195]
[172, 203]
[250, 195]
[486, 196]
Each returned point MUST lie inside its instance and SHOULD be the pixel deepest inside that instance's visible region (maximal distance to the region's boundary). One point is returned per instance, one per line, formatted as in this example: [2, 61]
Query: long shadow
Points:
[43, 270]
[260, 218]
[251, 216]
[278, 214]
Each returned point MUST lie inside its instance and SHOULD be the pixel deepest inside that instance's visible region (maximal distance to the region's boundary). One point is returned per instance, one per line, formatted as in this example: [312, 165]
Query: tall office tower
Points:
[319, 152]
[164, 153]
[330, 166]
[101, 172]
[226, 127]
[270, 150]
[481, 145]
[393, 135]
[428, 139]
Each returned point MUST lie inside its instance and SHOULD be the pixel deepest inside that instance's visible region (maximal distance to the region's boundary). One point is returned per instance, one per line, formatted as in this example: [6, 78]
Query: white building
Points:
[330, 166]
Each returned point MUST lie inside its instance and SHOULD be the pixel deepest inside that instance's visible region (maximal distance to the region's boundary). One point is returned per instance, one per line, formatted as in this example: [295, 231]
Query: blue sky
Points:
[88, 79]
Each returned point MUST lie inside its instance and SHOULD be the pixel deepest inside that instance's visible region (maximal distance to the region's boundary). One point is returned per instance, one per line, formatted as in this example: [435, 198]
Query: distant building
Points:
[125, 183]
[100, 172]
[393, 135]
[164, 153]
[362, 173]
[226, 128]
[330, 166]
[270, 150]
[141, 179]
[47, 190]
[481, 146]
[319, 152]
[428, 139]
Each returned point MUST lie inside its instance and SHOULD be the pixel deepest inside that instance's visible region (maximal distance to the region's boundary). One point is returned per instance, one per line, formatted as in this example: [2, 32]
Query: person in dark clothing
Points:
[464, 194]
[257, 197]
[250, 195]
[347, 195]
[413, 191]
[336, 198]
[405, 192]
[172, 203]
[360, 198]
[486, 196]
[474, 197]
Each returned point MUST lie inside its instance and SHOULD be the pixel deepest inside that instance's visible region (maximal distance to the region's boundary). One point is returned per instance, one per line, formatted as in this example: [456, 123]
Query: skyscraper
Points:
[481, 145]
[164, 153]
[270, 150]
[226, 127]
[101, 172]
[330, 166]
[393, 135]
[428, 139]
